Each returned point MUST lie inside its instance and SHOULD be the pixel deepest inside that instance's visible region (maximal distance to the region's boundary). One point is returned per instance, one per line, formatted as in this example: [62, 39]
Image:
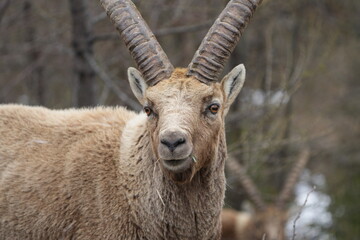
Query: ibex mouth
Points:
[177, 165]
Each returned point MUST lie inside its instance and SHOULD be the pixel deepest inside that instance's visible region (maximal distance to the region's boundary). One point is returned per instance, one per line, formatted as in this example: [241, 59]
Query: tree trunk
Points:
[35, 82]
[82, 46]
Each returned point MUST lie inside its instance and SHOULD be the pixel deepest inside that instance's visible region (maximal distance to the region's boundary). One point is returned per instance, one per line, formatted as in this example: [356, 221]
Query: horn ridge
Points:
[293, 177]
[248, 185]
[139, 40]
[221, 40]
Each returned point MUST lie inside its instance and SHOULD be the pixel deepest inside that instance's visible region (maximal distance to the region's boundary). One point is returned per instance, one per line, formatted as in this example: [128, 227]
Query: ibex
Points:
[109, 173]
[269, 220]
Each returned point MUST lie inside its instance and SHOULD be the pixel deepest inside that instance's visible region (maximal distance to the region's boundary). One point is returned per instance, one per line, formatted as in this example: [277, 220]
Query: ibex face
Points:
[185, 117]
[185, 107]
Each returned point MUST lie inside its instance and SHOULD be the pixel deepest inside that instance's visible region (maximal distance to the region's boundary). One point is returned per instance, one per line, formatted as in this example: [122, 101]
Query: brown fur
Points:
[94, 174]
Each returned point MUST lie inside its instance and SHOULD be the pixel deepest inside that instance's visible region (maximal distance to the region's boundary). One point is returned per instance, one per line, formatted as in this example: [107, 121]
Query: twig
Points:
[162, 201]
[110, 84]
[301, 209]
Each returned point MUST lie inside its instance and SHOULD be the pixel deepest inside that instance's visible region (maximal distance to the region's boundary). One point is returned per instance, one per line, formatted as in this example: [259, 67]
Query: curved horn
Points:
[246, 182]
[292, 178]
[141, 42]
[215, 49]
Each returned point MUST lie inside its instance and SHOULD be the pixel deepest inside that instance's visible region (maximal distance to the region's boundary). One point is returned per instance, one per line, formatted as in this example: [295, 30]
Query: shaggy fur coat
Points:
[91, 174]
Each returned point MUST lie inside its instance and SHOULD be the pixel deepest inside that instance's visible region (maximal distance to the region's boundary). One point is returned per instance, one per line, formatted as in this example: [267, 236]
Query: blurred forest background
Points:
[302, 87]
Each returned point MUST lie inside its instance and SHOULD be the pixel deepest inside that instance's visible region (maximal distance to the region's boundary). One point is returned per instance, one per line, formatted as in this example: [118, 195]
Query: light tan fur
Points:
[95, 173]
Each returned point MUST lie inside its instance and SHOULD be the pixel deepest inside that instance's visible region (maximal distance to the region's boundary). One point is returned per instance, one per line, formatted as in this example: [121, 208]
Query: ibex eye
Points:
[147, 110]
[214, 108]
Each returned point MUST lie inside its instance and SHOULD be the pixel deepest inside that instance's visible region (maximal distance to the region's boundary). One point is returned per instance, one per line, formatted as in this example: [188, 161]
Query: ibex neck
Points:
[163, 209]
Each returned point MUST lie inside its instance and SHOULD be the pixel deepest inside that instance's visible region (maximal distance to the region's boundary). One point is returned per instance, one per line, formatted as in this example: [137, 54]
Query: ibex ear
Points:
[232, 84]
[137, 84]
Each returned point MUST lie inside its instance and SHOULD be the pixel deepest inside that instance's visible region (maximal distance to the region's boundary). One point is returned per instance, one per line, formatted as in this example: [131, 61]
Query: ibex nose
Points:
[173, 139]
[174, 150]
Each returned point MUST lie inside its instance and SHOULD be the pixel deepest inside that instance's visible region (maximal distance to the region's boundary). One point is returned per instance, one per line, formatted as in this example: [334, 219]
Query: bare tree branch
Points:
[299, 214]
[110, 84]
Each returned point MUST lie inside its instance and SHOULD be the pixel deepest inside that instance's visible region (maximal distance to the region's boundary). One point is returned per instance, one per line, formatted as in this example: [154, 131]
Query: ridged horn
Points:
[292, 178]
[141, 42]
[250, 188]
[218, 44]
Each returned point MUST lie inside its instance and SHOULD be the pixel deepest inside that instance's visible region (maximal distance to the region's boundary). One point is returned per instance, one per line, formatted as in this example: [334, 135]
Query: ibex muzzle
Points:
[175, 149]
[173, 142]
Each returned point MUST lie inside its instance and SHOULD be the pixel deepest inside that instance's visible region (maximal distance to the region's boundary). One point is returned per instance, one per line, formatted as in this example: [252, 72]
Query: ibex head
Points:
[185, 107]
[185, 117]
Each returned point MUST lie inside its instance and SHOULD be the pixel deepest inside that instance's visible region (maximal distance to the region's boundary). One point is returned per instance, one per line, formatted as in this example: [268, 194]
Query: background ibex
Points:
[109, 173]
[269, 220]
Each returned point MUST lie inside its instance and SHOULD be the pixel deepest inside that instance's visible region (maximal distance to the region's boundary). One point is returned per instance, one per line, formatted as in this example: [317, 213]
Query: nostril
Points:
[172, 145]
[165, 142]
[179, 142]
